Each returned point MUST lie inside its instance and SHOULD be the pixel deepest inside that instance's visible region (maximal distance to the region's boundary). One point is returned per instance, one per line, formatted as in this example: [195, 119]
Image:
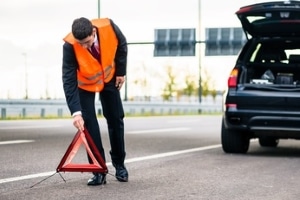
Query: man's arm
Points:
[69, 78]
[121, 54]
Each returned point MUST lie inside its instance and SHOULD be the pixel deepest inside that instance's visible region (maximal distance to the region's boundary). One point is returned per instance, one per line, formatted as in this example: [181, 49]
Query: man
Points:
[94, 60]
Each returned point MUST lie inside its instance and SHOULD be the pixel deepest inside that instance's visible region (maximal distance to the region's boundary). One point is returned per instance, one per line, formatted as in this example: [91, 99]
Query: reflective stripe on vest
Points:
[107, 71]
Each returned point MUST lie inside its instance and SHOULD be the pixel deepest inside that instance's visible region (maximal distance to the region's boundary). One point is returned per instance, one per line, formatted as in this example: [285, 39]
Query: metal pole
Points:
[98, 8]
[26, 75]
[200, 52]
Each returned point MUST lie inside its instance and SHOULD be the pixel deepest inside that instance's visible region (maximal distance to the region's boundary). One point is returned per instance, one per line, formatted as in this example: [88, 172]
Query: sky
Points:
[31, 35]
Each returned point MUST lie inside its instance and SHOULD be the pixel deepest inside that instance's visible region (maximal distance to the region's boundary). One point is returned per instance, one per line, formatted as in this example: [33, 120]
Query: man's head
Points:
[84, 32]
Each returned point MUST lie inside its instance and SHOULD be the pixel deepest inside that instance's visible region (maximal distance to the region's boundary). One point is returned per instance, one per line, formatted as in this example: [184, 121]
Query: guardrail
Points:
[58, 108]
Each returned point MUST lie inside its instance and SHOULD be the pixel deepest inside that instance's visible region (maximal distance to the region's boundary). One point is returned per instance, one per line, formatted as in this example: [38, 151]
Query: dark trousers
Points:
[114, 115]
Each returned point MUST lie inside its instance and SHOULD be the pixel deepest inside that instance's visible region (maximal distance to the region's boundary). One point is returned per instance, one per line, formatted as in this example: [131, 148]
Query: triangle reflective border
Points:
[98, 164]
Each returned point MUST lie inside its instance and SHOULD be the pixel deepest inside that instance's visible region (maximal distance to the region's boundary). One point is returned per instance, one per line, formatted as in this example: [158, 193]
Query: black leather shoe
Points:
[97, 179]
[121, 173]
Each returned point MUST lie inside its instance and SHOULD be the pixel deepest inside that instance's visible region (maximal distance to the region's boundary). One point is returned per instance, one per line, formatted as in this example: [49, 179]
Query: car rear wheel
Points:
[233, 141]
[268, 141]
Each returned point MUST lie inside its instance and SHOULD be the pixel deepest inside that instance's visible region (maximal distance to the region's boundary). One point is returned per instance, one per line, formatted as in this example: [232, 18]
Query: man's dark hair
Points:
[82, 28]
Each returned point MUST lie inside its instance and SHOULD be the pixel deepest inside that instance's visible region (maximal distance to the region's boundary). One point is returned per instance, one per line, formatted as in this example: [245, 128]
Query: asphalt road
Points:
[168, 158]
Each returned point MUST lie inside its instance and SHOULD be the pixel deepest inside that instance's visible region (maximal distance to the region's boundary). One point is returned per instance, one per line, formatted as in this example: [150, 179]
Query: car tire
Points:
[268, 141]
[233, 141]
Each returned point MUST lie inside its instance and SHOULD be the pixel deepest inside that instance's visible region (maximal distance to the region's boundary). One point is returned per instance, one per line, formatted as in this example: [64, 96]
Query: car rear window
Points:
[273, 62]
[275, 52]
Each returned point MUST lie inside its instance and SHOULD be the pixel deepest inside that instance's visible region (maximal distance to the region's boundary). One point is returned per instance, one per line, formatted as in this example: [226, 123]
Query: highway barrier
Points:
[11, 109]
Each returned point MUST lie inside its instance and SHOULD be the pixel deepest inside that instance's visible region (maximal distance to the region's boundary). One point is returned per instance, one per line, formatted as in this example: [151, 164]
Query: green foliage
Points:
[170, 87]
[191, 87]
[205, 83]
[213, 93]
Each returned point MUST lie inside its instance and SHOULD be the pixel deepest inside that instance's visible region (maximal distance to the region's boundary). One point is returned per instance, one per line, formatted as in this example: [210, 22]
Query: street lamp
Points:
[26, 75]
[98, 8]
[200, 51]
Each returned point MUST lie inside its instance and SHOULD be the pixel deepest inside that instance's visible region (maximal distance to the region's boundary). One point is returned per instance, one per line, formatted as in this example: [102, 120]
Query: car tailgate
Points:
[268, 100]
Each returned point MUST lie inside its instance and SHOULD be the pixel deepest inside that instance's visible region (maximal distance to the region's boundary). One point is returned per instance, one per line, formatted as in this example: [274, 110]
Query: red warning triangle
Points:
[98, 164]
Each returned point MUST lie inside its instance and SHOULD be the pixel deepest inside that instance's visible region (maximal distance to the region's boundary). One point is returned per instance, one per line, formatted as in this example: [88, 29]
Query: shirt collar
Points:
[96, 43]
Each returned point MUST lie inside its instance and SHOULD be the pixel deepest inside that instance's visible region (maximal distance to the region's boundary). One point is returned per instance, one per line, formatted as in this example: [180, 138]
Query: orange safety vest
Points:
[92, 74]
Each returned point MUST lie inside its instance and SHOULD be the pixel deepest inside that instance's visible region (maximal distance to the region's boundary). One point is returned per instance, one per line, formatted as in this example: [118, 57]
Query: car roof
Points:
[271, 19]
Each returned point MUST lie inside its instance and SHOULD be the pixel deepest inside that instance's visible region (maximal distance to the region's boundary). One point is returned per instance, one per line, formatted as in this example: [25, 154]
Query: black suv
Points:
[263, 96]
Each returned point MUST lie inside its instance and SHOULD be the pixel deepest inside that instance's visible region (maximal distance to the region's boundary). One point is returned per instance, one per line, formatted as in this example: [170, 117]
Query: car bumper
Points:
[281, 124]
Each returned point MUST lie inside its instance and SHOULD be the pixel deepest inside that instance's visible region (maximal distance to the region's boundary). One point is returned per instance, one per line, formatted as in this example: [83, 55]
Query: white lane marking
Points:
[29, 127]
[172, 153]
[15, 142]
[161, 155]
[182, 121]
[6, 180]
[158, 130]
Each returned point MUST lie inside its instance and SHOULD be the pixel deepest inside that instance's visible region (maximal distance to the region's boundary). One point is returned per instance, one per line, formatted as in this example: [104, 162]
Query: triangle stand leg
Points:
[48, 178]
[115, 176]
[62, 177]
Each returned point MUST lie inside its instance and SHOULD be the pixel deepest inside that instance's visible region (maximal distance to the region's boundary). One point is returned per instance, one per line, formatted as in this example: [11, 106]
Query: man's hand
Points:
[119, 81]
[78, 122]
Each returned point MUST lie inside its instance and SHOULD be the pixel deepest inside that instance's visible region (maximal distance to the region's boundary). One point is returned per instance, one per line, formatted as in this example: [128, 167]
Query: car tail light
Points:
[232, 80]
[230, 106]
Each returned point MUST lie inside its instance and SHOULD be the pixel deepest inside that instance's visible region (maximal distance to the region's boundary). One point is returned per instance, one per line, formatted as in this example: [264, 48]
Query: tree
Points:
[170, 87]
[205, 82]
[208, 87]
[142, 81]
[191, 86]
[214, 93]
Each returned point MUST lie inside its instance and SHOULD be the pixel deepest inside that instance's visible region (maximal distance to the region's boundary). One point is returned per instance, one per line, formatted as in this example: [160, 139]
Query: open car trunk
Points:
[270, 84]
